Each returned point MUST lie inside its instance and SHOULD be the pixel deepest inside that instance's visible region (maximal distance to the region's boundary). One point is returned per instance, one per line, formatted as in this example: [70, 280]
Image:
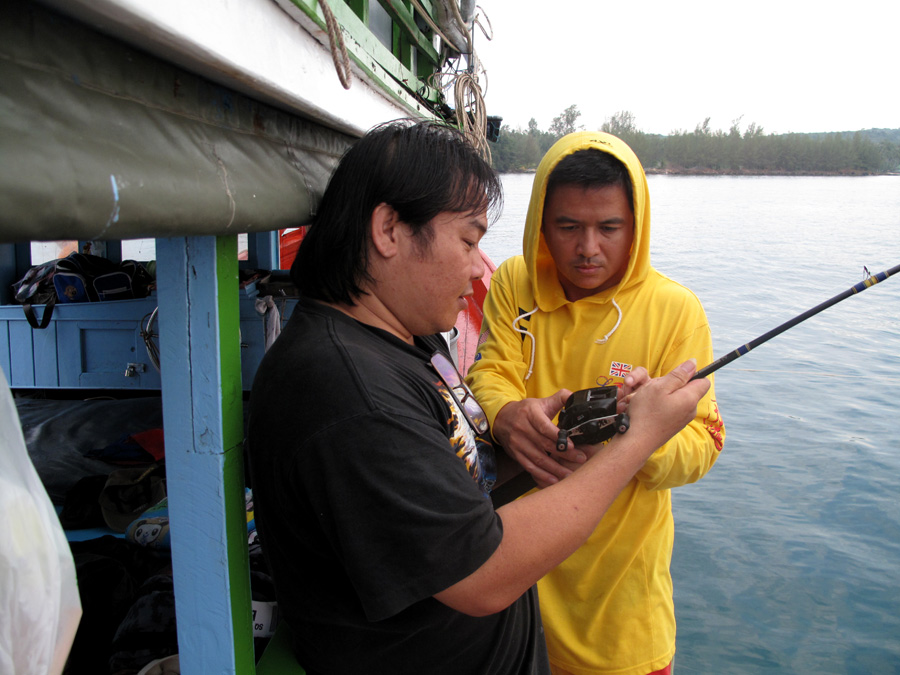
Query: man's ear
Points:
[385, 226]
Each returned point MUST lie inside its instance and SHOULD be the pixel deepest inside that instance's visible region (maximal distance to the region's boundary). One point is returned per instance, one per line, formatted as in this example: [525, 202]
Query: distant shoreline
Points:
[739, 172]
[712, 172]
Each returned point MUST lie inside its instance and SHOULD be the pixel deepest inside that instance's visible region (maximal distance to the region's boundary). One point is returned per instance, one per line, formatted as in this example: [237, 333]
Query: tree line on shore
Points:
[703, 151]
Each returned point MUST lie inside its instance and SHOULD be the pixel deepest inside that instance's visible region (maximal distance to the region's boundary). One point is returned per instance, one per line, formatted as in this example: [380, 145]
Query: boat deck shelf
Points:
[100, 345]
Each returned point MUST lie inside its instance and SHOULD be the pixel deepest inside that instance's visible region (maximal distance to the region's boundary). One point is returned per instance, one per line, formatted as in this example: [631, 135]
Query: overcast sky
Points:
[787, 65]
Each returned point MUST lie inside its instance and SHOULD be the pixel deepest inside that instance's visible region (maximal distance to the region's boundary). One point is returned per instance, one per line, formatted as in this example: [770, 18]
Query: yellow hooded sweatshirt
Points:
[609, 607]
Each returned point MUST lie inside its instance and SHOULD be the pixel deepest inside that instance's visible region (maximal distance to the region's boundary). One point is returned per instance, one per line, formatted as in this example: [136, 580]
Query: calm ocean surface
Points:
[787, 555]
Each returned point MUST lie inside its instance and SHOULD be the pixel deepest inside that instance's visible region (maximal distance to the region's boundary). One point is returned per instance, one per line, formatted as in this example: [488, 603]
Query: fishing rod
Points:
[871, 280]
[590, 415]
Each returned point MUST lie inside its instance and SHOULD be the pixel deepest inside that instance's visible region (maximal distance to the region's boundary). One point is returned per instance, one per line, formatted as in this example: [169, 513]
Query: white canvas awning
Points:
[101, 140]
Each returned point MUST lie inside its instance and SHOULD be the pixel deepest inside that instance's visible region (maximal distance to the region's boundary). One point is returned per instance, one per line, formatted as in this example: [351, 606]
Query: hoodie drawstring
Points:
[525, 331]
[602, 341]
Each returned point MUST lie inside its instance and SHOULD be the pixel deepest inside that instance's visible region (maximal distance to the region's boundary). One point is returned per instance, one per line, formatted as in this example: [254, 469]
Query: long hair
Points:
[421, 169]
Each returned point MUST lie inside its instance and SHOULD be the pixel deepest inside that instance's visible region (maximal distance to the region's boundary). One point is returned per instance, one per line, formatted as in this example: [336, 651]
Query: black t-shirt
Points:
[369, 499]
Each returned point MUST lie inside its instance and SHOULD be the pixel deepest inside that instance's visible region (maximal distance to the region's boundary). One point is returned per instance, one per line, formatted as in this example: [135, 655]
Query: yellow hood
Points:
[548, 292]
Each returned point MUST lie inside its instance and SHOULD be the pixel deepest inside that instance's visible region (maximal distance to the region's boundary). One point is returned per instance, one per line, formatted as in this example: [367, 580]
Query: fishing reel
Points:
[589, 417]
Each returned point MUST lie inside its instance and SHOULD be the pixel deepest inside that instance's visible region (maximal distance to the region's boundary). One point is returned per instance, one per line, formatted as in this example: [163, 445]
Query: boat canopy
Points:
[121, 119]
[102, 140]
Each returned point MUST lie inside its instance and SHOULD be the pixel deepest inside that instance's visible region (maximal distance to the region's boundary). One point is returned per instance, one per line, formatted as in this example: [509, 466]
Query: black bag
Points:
[36, 288]
[79, 277]
[142, 282]
[82, 278]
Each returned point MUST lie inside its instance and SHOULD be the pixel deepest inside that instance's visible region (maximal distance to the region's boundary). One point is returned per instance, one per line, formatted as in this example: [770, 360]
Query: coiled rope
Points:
[471, 112]
[468, 97]
[338, 48]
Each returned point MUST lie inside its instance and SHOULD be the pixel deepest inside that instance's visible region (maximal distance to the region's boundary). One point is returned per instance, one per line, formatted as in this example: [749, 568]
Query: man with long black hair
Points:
[371, 460]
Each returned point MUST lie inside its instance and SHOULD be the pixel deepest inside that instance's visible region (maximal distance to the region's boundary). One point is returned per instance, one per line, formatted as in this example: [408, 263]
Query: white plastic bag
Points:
[39, 604]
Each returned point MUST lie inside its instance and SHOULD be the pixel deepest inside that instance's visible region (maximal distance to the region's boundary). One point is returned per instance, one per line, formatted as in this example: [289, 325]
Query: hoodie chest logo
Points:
[619, 369]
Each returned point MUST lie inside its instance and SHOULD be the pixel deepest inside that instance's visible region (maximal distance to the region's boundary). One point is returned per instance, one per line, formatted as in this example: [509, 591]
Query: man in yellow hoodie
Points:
[583, 308]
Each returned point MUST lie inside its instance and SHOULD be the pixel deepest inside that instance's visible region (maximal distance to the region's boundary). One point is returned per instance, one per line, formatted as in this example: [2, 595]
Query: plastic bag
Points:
[39, 599]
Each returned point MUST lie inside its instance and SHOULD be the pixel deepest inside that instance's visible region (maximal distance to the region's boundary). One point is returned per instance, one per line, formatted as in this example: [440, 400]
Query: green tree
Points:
[732, 158]
[891, 154]
[647, 147]
[507, 151]
[533, 152]
[565, 122]
[705, 150]
[520, 150]
[621, 124]
[868, 158]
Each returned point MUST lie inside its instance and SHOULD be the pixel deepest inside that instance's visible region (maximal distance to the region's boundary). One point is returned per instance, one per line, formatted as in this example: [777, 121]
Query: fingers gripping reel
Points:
[589, 417]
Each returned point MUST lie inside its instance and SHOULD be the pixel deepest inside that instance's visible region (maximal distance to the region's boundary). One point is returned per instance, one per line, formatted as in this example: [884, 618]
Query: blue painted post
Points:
[263, 250]
[202, 413]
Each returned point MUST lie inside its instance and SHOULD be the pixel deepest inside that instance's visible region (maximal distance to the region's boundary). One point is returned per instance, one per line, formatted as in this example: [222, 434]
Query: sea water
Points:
[787, 554]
